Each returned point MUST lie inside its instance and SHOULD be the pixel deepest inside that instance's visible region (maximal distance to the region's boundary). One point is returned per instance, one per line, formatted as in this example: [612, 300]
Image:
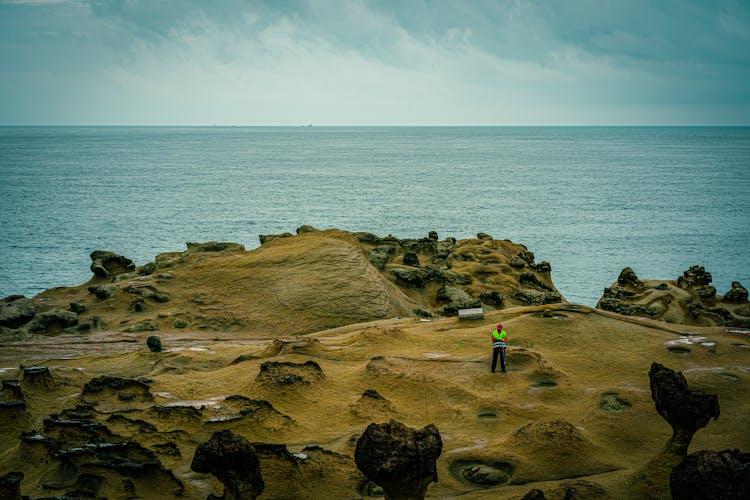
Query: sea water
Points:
[590, 200]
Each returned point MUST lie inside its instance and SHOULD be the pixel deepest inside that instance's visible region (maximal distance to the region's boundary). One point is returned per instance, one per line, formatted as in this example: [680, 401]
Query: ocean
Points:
[590, 200]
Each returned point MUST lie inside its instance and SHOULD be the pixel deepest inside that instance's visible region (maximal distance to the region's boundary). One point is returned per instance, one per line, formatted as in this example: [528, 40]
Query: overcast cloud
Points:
[359, 62]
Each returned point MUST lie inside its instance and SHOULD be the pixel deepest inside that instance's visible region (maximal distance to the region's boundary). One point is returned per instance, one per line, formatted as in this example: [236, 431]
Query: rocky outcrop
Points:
[53, 321]
[16, 310]
[399, 459]
[622, 307]
[456, 299]
[214, 246]
[265, 238]
[536, 297]
[685, 410]
[737, 294]
[628, 277]
[722, 475]
[283, 373]
[695, 276]
[233, 460]
[106, 264]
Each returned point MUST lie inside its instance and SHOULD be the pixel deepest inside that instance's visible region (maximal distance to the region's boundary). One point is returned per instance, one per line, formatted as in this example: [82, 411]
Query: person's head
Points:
[499, 327]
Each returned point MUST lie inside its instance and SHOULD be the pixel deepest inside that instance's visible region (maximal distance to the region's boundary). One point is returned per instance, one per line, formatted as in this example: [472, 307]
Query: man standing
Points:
[499, 339]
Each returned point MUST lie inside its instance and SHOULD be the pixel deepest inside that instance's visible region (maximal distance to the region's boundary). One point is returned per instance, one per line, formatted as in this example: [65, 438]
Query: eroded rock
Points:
[233, 460]
[628, 277]
[214, 246]
[10, 486]
[398, 458]
[457, 299]
[737, 294]
[16, 310]
[283, 373]
[52, 321]
[718, 475]
[106, 264]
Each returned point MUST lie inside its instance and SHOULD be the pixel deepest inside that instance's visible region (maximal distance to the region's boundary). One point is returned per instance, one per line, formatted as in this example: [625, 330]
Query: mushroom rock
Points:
[399, 459]
[154, 343]
[685, 410]
[38, 377]
[234, 462]
[722, 475]
[106, 264]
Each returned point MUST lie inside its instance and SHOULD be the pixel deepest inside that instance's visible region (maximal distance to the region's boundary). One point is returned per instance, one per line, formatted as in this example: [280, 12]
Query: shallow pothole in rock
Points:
[613, 404]
[481, 474]
[728, 376]
[681, 351]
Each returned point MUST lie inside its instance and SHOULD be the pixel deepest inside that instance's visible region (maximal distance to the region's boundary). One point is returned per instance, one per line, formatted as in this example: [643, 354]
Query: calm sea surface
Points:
[591, 201]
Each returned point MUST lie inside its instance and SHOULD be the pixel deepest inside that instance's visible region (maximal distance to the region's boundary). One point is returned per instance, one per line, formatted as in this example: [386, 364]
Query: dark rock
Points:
[77, 307]
[398, 458]
[529, 278]
[148, 292]
[11, 390]
[10, 486]
[493, 298]
[265, 238]
[148, 269]
[16, 310]
[706, 293]
[100, 386]
[214, 246]
[622, 307]
[380, 256]
[457, 299]
[685, 410]
[79, 329]
[143, 326]
[662, 286]
[138, 305]
[306, 229]
[737, 294]
[411, 259]
[579, 490]
[106, 264]
[284, 373]
[618, 292]
[37, 377]
[535, 494]
[49, 321]
[179, 323]
[102, 291]
[628, 277]
[723, 475]
[416, 278]
[528, 256]
[536, 297]
[543, 267]
[693, 277]
[517, 262]
[422, 313]
[234, 462]
[154, 343]
[432, 235]
[483, 236]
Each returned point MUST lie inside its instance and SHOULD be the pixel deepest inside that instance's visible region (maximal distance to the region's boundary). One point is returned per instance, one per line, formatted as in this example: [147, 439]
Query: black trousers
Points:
[495, 352]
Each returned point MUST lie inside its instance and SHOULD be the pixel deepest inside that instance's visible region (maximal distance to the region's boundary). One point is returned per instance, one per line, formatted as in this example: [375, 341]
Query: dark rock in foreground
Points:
[723, 475]
[234, 462]
[398, 458]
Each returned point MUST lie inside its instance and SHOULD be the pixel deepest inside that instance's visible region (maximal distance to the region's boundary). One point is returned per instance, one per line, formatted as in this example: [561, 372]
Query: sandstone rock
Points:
[77, 307]
[695, 276]
[306, 229]
[536, 297]
[737, 294]
[723, 475]
[628, 277]
[106, 264]
[535, 494]
[234, 461]
[400, 459]
[543, 267]
[483, 236]
[265, 238]
[380, 255]
[154, 343]
[10, 486]
[148, 292]
[102, 291]
[411, 259]
[517, 262]
[16, 310]
[283, 373]
[493, 298]
[529, 278]
[143, 326]
[49, 321]
[214, 246]
[457, 299]
[685, 410]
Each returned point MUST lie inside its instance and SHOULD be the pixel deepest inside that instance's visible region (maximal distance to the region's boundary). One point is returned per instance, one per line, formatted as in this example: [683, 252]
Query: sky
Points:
[374, 62]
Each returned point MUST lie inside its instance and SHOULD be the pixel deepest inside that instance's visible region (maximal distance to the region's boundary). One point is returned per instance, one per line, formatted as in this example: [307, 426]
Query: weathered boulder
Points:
[628, 277]
[411, 259]
[483, 236]
[213, 246]
[517, 262]
[722, 475]
[143, 326]
[693, 277]
[685, 410]
[737, 294]
[432, 235]
[77, 307]
[102, 291]
[50, 321]
[380, 255]
[306, 229]
[493, 298]
[234, 461]
[153, 342]
[106, 264]
[285, 373]
[536, 297]
[148, 292]
[399, 459]
[457, 299]
[10, 486]
[16, 310]
[529, 278]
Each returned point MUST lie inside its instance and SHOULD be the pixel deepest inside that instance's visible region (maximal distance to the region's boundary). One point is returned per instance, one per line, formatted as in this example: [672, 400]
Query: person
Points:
[499, 339]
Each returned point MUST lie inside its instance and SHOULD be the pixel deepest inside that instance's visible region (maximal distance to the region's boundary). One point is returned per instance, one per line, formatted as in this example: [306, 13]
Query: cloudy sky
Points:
[375, 62]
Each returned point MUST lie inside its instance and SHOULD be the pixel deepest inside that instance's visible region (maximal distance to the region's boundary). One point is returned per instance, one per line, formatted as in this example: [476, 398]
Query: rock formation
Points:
[688, 300]
[234, 462]
[106, 264]
[16, 310]
[399, 459]
[723, 475]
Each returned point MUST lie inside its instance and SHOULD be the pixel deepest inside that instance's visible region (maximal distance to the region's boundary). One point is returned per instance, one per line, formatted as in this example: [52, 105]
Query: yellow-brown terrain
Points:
[300, 344]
